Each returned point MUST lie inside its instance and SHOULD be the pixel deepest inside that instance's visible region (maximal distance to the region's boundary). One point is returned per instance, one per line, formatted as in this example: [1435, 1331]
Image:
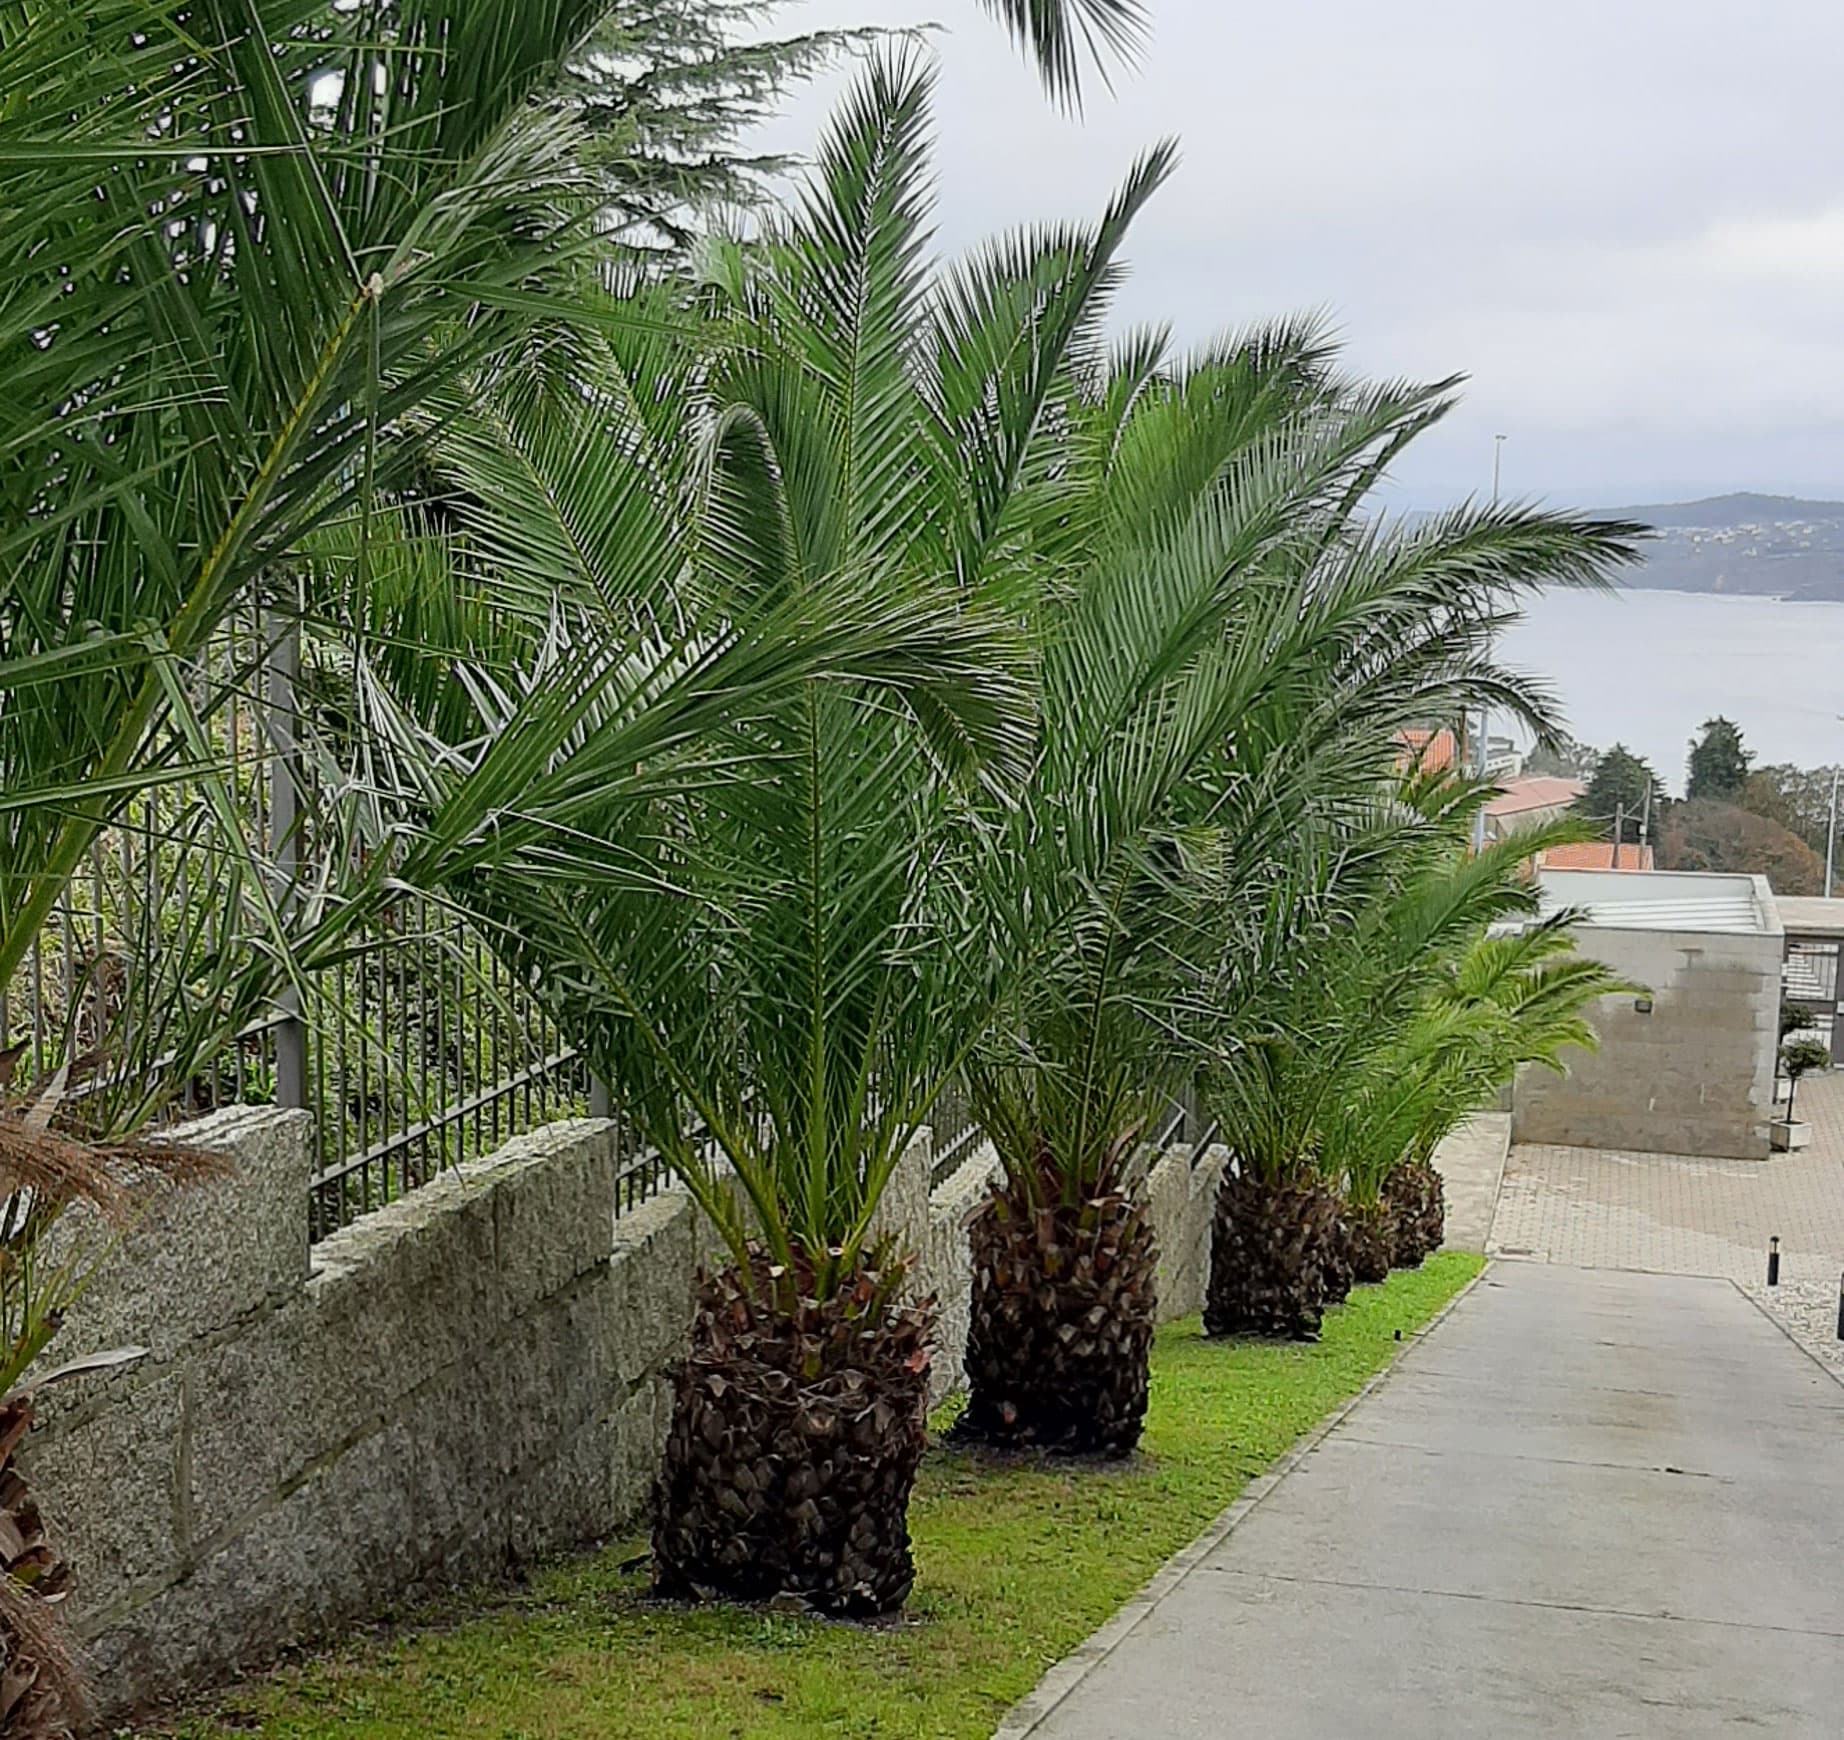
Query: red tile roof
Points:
[1432, 751]
[1535, 792]
[1596, 855]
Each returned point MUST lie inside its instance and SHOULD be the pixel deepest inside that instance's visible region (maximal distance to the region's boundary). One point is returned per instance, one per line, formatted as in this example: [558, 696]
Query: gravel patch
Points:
[1808, 1309]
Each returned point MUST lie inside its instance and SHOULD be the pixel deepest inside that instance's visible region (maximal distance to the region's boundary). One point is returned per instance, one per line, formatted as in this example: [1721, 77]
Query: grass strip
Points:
[1018, 1564]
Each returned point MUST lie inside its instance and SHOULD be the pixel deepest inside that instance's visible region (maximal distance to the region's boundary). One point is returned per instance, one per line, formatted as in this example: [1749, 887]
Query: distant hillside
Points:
[1762, 545]
[1740, 509]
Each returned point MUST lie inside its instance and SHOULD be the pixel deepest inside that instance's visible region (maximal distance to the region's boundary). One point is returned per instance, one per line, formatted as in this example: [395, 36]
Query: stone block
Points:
[293, 1388]
[108, 1488]
[902, 1213]
[654, 1265]
[637, 1440]
[328, 1554]
[554, 1205]
[415, 1287]
[567, 1500]
[201, 1257]
[458, 1471]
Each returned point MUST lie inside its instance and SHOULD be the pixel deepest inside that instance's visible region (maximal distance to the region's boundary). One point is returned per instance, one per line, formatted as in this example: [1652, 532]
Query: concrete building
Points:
[1686, 1066]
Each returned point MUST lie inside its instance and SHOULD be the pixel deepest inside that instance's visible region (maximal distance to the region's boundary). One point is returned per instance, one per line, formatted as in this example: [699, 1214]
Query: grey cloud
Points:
[1624, 220]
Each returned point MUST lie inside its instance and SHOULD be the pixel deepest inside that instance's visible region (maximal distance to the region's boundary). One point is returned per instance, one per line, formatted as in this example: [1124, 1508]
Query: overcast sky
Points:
[1624, 220]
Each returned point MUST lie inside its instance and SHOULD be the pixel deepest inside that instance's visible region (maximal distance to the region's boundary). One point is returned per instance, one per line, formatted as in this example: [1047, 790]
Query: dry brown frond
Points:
[59, 1168]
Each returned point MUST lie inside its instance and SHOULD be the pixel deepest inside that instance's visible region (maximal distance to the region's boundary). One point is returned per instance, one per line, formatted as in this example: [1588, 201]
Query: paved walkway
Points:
[1614, 1209]
[1587, 1504]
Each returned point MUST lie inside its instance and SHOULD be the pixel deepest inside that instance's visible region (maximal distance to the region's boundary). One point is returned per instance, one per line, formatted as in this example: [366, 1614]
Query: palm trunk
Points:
[798, 1425]
[1415, 1201]
[41, 1689]
[1267, 1257]
[1370, 1237]
[1060, 1343]
[1339, 1266]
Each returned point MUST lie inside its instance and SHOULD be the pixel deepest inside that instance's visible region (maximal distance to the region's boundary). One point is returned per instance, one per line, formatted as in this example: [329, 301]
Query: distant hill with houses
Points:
[1776, 546]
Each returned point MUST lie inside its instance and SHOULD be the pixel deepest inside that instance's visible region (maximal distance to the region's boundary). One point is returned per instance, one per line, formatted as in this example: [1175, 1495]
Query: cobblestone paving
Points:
[1614, 1209]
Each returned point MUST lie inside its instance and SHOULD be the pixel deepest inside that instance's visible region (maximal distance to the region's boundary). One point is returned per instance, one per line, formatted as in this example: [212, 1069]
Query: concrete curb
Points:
[1031, 1711]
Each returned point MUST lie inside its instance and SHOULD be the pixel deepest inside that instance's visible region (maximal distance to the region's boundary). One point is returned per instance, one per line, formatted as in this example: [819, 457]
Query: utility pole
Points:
[1831, 830]
[1485, 719]
[1619, 832]
[1645, 825]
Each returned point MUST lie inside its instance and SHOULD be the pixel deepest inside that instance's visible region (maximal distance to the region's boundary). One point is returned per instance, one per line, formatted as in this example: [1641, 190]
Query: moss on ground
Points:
[1017, 1565]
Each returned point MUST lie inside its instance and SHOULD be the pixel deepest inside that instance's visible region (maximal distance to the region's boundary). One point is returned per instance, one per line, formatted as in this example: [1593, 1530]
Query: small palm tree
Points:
[1226, 650]
[1351, 1058]
[1515, 996]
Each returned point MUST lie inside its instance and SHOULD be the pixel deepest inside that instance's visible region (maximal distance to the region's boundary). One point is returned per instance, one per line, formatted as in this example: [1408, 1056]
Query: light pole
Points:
[1831, 827]
[1479, 754]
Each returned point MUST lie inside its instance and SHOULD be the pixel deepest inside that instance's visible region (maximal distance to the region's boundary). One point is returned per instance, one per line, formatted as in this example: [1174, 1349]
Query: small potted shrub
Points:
[1797, 1056]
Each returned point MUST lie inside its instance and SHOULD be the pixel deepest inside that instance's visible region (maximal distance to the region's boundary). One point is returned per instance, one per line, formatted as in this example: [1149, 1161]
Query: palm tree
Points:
[746, 928]
[243, 245]
[1512, 999]
[237, 260]
[1226, 649]
[1059, 35]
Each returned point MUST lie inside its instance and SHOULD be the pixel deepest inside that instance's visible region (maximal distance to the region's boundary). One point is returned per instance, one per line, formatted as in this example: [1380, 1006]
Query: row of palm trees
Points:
[823, 673]
[1059, 686]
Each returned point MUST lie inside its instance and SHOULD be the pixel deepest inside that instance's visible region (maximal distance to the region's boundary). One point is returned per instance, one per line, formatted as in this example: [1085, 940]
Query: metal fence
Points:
[421, 1048]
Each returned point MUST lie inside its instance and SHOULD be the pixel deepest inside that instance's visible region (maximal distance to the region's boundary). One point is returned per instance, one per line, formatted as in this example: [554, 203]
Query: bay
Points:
[1646, 669]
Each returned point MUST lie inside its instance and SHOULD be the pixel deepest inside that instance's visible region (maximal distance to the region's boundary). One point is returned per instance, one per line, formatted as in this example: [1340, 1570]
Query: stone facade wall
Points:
[1694, 1076]
[466, 1379]
[1183, 1197]
[462, 1380]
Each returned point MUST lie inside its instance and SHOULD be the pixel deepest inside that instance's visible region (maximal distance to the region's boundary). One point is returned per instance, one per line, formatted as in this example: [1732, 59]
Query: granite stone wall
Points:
[458, 1383]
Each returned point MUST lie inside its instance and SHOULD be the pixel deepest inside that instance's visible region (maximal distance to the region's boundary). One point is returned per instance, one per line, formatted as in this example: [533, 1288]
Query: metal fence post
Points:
[284, 663]
[601, 1101]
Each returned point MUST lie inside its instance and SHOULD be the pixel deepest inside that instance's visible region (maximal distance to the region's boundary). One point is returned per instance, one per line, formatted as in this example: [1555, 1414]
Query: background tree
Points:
[1706, 835]
[1562, 757]
[1620, 783]
[1798, 798]
[666, 90]
[1718, 763]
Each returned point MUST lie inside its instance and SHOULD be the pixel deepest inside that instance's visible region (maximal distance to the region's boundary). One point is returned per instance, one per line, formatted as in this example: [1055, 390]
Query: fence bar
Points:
[285, 847]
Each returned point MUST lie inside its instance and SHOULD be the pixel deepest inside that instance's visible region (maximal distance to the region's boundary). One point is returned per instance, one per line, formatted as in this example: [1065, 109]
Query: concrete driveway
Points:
[1587, 1503]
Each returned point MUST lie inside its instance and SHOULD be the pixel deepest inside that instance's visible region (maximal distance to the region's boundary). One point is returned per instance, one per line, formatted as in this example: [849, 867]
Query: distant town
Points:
[1757, 545]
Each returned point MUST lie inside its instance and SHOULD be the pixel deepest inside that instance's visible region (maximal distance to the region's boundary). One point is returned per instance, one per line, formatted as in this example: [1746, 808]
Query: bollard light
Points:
[1773, 1265]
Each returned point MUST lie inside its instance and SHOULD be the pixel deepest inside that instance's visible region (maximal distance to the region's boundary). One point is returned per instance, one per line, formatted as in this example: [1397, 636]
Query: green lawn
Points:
[1017, 1566]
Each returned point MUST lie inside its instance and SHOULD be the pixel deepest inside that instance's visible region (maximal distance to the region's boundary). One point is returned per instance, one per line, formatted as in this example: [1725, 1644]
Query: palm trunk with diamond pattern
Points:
[797, 1427]
[1060, 1343]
